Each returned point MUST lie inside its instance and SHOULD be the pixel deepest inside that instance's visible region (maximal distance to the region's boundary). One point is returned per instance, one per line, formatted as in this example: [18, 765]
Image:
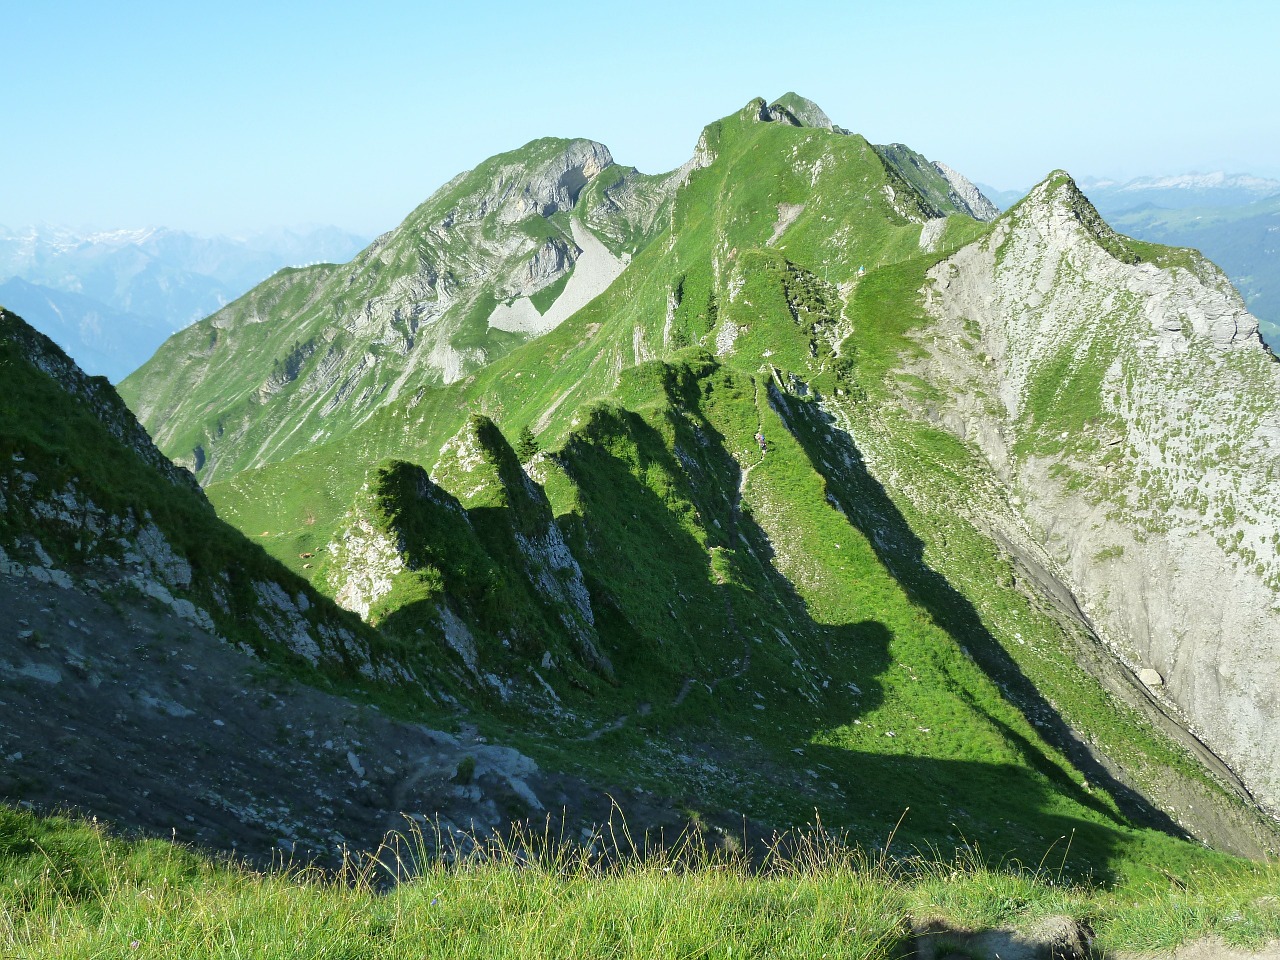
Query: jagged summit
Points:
[806, 111]
[1058, 192]
[791, 109]
[760, 109]
[544, 177]
[1056, 204]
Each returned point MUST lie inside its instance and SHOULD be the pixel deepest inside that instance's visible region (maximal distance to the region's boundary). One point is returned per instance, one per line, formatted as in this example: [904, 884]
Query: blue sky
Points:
[239, 115]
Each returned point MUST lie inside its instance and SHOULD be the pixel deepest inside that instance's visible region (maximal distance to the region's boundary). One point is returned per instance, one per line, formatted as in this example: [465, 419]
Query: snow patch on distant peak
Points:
[1204, 181]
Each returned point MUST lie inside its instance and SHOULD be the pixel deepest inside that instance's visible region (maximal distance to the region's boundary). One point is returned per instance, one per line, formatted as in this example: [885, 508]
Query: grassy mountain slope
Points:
[85, 494]
[686, 288]
[313, 352]
[823, 623]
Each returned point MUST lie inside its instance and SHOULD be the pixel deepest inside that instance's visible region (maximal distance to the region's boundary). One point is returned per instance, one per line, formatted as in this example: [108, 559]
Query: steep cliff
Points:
[1121, 392]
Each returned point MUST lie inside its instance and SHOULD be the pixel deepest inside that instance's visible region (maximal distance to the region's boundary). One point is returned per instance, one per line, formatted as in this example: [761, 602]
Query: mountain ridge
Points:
[1187, 309]
[749, 561]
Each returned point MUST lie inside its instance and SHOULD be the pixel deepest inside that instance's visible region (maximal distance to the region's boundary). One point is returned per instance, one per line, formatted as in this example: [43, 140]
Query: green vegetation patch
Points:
[544, 298]
[67, 888]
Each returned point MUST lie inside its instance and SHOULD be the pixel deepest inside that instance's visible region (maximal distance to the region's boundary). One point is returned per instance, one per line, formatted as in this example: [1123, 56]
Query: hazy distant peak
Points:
[1179, 191]
[1217, 180]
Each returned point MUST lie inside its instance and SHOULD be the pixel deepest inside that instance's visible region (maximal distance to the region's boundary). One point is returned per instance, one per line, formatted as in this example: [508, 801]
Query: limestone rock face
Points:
[804, 110]
[777, 113]
[517, 191]
[966, 196]
[703, 153]
[1123, 395]
[332, 344]
[366, 562]
[594, 269]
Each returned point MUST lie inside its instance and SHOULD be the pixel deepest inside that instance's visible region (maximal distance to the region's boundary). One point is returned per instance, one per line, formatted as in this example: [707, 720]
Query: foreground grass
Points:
[67, 889]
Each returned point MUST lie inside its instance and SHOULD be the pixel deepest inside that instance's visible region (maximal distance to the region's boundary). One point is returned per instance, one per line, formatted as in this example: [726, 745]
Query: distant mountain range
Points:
[1178, 192]
[1234, 219]
[111, 298]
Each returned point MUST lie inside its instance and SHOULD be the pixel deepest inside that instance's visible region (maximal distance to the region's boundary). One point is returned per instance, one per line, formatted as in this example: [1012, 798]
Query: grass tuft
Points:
[68, 888]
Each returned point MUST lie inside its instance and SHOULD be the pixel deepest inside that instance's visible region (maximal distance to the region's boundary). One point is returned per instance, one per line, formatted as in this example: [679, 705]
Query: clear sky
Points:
[239, 115]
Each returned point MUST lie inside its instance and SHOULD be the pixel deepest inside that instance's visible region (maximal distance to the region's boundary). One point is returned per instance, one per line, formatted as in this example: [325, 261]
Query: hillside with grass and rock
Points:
[793, 481]
[111, 298]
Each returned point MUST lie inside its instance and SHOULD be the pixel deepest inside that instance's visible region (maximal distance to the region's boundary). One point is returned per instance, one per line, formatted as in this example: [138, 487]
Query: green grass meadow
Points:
[70, 889]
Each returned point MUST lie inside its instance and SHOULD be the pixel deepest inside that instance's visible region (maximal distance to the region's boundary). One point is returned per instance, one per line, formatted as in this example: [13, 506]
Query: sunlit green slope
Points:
[661, 601]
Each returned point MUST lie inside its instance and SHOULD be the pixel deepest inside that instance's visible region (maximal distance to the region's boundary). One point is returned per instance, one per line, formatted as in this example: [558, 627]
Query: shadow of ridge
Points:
[655, 512]
[936, 814]
[626, 524]
[867, 505]
[682, 617]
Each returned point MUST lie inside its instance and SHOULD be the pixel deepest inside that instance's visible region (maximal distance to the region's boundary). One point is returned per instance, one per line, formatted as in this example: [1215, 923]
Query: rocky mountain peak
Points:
[804, 110]
[559, 183]
[966, 195]
[1057, 203]
[760, 110]
[1186, 294]
[1059, 194]
[542, 178]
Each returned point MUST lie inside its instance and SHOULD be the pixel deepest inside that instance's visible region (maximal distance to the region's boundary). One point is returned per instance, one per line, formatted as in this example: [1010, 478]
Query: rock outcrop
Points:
[804, 110]
[942, 189]
[485, 572]
[88, 502]
[965, 195]
[1121, 392]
